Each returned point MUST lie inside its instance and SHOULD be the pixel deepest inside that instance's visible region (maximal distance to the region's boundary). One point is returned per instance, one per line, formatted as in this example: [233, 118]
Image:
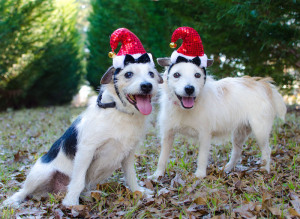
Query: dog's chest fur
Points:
[119, 134]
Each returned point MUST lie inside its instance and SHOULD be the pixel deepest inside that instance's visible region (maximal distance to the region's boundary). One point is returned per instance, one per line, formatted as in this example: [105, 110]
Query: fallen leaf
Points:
[148, 201]
[275, 211]
[163, 192]
[30, 211]
[177, 181]
[266, 200]
[96, 195]
[293, 212]
[58, 213]
[296, 205]
[137, 195]
[148, 184]
[200, 201]
[80, 211]
[202, 209]
[20, 156]
[245, 210]
[79, 207]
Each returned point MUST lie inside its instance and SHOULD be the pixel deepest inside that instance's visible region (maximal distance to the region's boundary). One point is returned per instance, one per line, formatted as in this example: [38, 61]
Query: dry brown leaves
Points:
[246, 192]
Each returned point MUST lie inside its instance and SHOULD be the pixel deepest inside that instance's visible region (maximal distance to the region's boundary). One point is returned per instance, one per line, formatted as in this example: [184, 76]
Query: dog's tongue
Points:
[188, 102]
[143, 103]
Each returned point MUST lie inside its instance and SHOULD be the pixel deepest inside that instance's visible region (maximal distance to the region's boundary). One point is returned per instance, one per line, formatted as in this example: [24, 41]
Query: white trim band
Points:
[203, 58]
[118, 61]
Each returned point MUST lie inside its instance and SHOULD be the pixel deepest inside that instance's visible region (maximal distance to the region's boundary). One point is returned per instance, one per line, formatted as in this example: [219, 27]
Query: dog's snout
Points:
[189, 89]
[146, 87]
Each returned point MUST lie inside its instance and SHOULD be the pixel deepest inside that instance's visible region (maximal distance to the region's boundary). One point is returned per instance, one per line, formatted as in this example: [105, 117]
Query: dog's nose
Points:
[146, 87]
[189, 89]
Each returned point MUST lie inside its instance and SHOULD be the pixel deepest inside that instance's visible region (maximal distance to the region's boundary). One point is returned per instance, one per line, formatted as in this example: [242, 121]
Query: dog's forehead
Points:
[137, 68]
[185, 68]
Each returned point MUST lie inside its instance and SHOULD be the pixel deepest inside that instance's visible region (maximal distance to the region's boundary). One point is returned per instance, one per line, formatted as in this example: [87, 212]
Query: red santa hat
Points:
[191, 46]
[131, 45]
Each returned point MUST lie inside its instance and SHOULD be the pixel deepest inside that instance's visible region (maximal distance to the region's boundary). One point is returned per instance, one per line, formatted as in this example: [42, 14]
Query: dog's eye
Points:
[128, 74]
[151, 74]
[197, 75]
[176, 75]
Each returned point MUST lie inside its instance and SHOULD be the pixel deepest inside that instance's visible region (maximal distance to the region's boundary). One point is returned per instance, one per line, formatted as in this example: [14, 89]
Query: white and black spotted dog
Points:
[195, 105]
[101, 139]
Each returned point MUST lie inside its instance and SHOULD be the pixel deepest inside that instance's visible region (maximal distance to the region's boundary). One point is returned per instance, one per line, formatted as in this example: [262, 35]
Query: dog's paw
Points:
[12, 202]
[156, 175]
[200, 174]
[265, 169]
[146, 192]
[228, 167]
[70, 201]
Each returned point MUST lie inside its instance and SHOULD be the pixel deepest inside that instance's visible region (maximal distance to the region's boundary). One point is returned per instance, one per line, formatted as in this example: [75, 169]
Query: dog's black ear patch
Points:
[107, 77]
[209, 62]
[164, 61]
[68, 143]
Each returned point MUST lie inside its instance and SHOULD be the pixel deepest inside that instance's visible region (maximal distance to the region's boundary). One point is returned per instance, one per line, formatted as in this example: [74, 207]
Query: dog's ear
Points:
[107, 77]
[160, 79]
[209, 62]
[164, 61]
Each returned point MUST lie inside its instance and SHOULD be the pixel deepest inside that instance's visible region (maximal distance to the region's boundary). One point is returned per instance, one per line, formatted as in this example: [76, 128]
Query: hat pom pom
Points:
[111, 55]
[173, 45]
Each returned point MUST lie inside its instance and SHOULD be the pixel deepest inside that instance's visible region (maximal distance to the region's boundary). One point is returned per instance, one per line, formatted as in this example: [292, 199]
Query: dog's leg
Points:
[166, 146]
[130, 174]
[203, 155]
[262, 137]
[238, 139]
[82, 161]
[38, 176]
[261, 128]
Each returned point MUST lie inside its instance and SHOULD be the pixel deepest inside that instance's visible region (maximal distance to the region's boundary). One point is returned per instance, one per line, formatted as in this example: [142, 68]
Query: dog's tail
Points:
[278, 103]
[275, 96]
[277, 99]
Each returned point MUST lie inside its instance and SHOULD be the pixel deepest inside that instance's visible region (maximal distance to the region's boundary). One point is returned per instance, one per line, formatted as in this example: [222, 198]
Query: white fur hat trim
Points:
[203, 58]
[118, 61]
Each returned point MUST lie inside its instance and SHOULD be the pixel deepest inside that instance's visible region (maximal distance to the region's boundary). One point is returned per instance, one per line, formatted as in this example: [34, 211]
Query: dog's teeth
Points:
[131, 97]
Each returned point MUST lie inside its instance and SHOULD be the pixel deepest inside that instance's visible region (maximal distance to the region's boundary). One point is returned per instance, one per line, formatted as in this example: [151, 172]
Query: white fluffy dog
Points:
[102, 138]
[198, 106]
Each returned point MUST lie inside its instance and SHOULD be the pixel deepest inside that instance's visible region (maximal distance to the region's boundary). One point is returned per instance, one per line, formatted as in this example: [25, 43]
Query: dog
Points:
[194, 104]
[100, 140]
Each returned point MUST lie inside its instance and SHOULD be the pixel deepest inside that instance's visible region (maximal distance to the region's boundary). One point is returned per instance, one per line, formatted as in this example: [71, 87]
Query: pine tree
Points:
[256, 38]
[149, 20]
[40, 53]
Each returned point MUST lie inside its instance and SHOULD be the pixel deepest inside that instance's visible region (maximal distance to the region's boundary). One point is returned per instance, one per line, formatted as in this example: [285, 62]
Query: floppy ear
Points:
[164, 61]
[160, 79]
[107, 77]
[209, 62]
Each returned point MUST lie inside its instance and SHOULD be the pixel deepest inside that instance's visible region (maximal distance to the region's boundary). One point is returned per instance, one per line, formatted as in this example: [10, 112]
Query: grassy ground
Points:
[243, 193]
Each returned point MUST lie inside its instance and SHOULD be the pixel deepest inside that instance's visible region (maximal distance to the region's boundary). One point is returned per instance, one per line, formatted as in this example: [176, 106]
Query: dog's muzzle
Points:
[146, 87]
[187, 101]
[142, 101]
[189, 90]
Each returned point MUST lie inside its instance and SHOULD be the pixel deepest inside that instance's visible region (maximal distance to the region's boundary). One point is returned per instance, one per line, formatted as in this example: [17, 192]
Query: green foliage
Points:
[256, 38]
[40, 52]
[149, 20]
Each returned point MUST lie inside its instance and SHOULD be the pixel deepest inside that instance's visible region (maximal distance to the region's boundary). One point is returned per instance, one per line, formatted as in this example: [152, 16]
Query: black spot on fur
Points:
[68, 142]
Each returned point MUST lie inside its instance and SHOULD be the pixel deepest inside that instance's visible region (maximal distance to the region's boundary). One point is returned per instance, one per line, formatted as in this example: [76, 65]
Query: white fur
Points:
[203, 58]
[107, 139]
[228, 107]
[118, 61]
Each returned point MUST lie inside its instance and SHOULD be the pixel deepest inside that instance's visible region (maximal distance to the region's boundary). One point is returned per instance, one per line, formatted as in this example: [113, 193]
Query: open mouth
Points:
[187, 102]
[141, 102]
